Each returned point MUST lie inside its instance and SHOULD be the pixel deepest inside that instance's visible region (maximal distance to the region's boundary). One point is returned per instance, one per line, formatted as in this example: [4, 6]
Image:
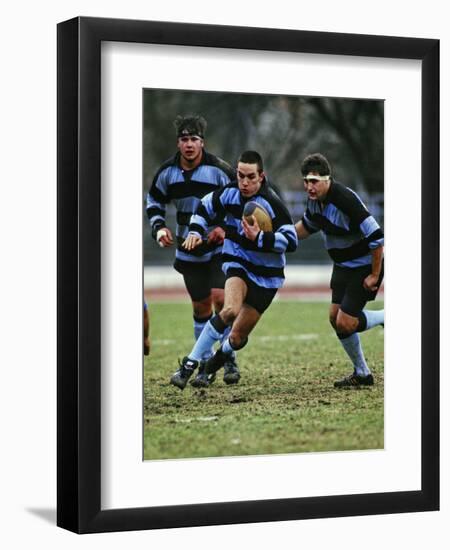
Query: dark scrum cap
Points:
[190, 126]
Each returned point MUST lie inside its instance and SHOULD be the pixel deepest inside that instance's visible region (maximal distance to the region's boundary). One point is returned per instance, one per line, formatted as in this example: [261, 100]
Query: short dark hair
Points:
[190, 125]
[316, 163]
[252, 157]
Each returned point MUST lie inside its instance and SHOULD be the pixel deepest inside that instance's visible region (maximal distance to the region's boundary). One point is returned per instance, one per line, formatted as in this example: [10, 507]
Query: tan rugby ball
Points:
[263, 218]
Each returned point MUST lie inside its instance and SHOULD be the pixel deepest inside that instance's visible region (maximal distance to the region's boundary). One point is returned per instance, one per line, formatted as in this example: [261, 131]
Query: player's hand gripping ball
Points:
[263, 218]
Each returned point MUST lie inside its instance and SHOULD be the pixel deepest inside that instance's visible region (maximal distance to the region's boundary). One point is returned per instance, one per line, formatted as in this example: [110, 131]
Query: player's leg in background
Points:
[201, 318]
[217, 295]
[347, 332]
[202, 379]
[348, 301]
[202, 313]
[147, 343]
[216, 280]
[198, 286]
[351, 319]
[235, 291]
[346, 326]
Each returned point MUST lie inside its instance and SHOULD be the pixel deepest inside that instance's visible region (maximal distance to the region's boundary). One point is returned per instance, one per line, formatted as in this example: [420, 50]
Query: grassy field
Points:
[285, 401]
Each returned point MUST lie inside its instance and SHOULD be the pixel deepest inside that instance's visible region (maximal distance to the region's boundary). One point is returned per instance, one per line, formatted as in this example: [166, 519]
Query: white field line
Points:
[286, 337]
[187, 420]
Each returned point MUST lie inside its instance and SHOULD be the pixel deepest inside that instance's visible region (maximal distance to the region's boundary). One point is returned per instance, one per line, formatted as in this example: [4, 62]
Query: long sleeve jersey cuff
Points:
[196, 229]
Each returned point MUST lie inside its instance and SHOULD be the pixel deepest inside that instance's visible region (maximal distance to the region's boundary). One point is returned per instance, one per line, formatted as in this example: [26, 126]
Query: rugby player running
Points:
[184, 180]
[253, 263]
[355, 242]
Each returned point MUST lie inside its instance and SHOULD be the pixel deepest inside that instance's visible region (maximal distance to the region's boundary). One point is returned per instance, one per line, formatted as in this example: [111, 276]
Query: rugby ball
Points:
[263, 218]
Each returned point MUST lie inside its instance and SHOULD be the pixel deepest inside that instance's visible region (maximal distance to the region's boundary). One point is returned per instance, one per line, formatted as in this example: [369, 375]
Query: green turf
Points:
[285, 401]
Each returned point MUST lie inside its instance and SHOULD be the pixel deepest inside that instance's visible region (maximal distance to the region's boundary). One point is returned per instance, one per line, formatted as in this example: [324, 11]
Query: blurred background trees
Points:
[283, 129]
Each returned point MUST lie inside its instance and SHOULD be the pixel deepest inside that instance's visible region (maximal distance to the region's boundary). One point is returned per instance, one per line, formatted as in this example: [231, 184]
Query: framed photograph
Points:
[271, 438]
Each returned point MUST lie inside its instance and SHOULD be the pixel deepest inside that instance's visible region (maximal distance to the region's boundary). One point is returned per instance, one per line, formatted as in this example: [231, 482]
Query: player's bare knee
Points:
[238, 339]
[202, 309]
[344, 326]
[228, 315]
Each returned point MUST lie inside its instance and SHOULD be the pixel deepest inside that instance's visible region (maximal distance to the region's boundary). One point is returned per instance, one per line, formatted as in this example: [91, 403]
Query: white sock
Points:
[352, 346]
[374, 317]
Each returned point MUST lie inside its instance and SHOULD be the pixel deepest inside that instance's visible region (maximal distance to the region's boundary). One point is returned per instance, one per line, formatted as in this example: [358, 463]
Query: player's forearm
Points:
[302, 232]
[279, 241]
[377, 260]
[156, 214]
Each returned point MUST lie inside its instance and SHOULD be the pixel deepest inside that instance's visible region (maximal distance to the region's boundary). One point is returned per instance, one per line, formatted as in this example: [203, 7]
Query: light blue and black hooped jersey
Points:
[185, 189]
[350, 232]
[264, 259]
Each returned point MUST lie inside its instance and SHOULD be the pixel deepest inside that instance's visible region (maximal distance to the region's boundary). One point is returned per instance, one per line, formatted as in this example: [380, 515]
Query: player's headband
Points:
[316, 178]
[189, 133]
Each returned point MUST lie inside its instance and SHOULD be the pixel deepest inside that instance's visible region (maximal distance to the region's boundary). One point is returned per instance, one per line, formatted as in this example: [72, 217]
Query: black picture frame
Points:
[79, 275]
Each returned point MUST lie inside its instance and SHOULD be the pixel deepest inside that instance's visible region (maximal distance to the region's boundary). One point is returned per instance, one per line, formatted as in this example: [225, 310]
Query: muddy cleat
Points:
[354, 380]
[182, 375]
[202, 380]
[216, 361]
[231, 373]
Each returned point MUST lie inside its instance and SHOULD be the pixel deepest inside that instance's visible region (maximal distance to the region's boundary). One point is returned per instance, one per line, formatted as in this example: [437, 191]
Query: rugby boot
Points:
[182, 375]
[202, 380]
[216, 361]
[231, 373]
[354, 380]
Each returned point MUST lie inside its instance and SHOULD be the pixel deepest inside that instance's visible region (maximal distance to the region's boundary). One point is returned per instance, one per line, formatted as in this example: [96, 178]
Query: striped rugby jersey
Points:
[349, 230]
[185, 189]
[263, 260]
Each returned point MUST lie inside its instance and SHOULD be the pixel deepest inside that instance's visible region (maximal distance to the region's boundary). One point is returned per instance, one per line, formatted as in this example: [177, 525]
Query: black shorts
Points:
[257, 297]
[201, 277]
[348, 290]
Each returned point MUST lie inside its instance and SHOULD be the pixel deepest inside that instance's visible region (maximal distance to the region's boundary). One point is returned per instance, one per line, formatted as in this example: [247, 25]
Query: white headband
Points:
[320, 178]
